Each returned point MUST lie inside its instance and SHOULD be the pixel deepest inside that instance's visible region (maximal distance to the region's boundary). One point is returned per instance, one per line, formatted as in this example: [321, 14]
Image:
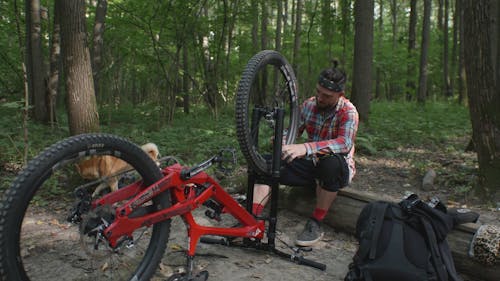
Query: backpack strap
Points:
[448, 261]
[434, 249]
[368, 239]
[377, 218]
[369, 245]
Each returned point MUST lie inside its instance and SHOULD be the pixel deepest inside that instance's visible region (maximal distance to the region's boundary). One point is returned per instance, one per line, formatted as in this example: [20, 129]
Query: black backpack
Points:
[405, 241]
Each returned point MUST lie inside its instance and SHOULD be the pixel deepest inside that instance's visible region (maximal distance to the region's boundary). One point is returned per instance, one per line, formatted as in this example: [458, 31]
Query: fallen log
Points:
[347, 207]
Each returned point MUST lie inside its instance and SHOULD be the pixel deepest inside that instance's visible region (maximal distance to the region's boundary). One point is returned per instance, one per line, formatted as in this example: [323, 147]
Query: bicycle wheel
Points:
[37, 242]
[267, 83]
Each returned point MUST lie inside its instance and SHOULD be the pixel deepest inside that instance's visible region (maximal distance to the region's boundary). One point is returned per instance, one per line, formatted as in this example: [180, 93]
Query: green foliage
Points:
[407, 132]
[394, 124]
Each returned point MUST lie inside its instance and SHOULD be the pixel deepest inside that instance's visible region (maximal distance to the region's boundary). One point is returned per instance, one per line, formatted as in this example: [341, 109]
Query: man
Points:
[325, 162]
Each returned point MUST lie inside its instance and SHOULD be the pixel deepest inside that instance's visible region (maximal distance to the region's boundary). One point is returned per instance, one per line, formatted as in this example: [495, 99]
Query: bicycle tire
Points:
[25, 193]
[252, 93]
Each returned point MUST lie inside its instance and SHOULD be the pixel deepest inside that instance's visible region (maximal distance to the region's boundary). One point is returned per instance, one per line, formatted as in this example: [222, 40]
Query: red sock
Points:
[319, 214]
[257, 209]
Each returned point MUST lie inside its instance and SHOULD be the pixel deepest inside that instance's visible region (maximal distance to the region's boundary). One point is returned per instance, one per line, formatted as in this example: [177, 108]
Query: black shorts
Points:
[331, 172]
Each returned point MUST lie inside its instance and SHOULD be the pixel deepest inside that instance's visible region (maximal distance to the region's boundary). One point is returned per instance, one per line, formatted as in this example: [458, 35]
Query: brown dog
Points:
[107, 166]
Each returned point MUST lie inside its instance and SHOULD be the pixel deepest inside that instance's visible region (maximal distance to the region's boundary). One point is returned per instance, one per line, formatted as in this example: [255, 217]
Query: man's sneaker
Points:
[310, 235]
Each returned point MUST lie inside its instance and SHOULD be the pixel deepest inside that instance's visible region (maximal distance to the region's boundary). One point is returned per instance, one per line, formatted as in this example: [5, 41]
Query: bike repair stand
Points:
[272, 180]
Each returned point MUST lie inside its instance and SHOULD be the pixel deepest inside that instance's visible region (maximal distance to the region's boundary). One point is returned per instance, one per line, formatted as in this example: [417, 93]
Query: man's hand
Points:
[292, 151]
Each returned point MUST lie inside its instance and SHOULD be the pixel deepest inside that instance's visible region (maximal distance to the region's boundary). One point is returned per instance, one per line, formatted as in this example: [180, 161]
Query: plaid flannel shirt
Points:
[330, 132]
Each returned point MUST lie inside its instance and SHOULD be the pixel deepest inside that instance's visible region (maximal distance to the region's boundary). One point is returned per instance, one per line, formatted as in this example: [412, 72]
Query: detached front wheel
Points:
[267, 83]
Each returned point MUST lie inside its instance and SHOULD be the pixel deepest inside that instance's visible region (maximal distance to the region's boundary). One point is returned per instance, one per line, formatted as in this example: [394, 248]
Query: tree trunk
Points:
[498, 47]
[209, 71]
[279, 23]
[393, 88]
[440, 15]
[412, 45]
[363, 56]
[422, 83]
[185, 79]
[82, 108]
[379, 73]
[454, 57]
[255, 25]
[220, 55]
[297, 39]
[327, 25]
[285, 17]
[312, 17]
[481, 25]
[55, 66]
[234, 9]
[25, 111]
[495, 29]
[263, 25]
[100, 17]
[345, 10]
[462, 90]
[34, 61]
[446, 74]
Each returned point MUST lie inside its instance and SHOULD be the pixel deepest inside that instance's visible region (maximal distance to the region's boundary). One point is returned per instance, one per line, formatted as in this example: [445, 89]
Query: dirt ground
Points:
[384, 175]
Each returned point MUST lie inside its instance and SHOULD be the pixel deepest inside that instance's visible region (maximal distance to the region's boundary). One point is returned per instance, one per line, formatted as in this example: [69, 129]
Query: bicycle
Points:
[122, 235]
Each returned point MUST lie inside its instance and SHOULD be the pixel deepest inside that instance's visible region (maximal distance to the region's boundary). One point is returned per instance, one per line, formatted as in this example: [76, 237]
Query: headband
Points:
[330, 85]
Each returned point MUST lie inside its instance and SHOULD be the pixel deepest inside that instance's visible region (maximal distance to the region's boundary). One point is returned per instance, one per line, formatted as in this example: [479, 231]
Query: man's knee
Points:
[332, 173]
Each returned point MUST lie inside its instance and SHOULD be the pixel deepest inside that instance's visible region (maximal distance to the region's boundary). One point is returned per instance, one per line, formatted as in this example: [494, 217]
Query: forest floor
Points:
[389, 176]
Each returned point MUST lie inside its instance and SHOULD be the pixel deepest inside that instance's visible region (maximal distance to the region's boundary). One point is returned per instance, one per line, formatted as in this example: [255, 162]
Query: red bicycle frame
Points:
[184, 200]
